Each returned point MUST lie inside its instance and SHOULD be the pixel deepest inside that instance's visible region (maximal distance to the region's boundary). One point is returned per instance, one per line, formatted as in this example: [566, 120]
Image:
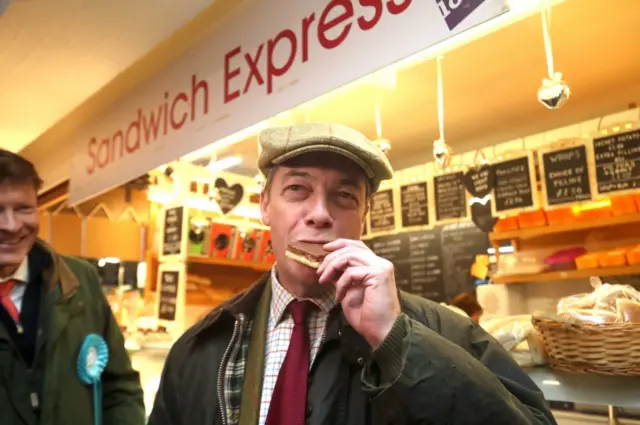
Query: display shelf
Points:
[229, 263]
[535, 232]
[569, 274]
[591, 389]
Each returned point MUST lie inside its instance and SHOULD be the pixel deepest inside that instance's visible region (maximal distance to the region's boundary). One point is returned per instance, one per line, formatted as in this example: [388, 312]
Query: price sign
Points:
[617, 160]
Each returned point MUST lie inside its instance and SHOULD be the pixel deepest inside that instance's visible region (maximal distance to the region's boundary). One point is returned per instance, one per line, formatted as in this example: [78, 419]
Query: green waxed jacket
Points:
[73, 306]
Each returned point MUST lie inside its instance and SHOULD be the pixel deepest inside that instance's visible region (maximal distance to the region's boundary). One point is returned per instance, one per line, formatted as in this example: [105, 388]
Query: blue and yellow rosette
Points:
[93, 359]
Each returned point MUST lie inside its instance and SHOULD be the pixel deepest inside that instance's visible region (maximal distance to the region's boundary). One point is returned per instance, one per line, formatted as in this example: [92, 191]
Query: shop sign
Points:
[274, 56]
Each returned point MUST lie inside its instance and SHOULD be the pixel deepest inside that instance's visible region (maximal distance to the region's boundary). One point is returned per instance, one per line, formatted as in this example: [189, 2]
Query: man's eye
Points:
[346, 195]
[295, 187]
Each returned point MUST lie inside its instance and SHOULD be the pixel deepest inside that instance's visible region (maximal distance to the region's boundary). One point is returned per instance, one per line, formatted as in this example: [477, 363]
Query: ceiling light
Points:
[224, 163]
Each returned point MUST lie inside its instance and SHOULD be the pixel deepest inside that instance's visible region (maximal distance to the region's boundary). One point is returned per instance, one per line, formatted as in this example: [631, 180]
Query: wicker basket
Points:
[574, 346]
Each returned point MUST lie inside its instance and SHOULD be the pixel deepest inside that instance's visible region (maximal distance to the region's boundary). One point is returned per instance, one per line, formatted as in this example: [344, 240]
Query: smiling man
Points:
[337, 344]
[48, 305]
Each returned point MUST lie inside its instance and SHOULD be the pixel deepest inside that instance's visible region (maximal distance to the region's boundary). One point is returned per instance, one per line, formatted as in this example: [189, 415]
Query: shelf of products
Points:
[230, 263]
[569, 274]
[591, 389]
[535, 232]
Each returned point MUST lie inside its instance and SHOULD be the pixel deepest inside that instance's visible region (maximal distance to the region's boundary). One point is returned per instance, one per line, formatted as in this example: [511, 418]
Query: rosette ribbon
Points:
[92, 360]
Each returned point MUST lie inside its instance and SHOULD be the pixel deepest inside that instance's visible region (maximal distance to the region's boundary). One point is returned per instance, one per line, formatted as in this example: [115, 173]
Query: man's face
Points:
[314, 198]
[18, 223]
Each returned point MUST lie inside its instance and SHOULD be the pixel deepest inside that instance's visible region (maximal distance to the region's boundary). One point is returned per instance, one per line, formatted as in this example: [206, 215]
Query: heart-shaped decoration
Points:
[554, 92]
[481, 216]
[228, 197]
[479, 181]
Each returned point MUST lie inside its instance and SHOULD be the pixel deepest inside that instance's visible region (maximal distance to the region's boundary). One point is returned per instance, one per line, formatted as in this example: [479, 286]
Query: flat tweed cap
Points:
[280, 144]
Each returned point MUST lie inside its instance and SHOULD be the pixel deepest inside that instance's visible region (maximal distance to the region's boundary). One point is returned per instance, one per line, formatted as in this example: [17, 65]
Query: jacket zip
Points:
[223, 367]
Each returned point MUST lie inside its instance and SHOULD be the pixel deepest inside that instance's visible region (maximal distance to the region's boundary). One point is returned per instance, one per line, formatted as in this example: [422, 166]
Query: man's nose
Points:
[319, 215]
[8, 221]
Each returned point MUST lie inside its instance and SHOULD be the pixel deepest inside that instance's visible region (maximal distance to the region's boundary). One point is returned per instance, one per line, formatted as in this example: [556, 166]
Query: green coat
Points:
[76, 307]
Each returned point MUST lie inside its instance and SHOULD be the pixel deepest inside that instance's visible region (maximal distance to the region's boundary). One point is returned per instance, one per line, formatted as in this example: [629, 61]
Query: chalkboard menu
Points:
[416, 257]
[382, 212]
[450, 196]
[434, 263]
[513, 185]
[172, 234]
[169, 281]
[228, 197]
[460, 244]
[566, 175]
[415, 204]
[617, 159]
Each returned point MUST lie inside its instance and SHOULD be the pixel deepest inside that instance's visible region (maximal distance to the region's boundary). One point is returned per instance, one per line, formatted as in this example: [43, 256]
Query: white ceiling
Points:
[54, 54]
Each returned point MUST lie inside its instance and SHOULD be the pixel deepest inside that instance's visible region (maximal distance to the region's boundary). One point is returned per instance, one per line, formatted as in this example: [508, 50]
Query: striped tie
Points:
[7, 303]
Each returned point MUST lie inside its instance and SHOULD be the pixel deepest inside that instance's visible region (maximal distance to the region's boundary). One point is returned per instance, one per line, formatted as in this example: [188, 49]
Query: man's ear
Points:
[264, 208]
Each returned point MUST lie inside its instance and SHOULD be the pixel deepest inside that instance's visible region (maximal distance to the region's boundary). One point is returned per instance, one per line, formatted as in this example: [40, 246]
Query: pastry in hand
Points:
[309, 254]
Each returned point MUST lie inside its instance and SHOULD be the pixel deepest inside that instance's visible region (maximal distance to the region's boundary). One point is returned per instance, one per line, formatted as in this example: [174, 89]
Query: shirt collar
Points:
[280, 298]
[21, 274]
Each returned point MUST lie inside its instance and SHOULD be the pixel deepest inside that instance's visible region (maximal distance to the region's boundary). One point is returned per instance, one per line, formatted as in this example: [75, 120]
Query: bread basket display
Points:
[598, 332]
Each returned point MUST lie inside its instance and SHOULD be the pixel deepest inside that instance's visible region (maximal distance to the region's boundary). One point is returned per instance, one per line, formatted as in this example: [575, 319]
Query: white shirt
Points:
[21, 276]
[279, 331]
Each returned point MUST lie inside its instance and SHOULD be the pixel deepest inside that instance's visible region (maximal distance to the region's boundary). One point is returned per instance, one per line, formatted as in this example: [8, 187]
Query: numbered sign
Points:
[515, 183]
[171, 301]
[566, 175]
[617, 160]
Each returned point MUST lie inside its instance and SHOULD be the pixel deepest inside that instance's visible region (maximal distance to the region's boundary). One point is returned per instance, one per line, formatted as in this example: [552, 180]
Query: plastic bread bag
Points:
[594, 316]
[578, 301]
[510, 331]
[606, 296]
[628, 310]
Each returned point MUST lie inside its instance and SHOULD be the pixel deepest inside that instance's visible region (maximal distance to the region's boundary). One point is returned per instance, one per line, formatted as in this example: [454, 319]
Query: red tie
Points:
[5, 300]
[289, 401]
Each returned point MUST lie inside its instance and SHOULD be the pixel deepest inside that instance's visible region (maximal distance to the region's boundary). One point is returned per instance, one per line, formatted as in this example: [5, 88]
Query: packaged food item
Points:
[587, 261]
[565, 259]
[615, 258]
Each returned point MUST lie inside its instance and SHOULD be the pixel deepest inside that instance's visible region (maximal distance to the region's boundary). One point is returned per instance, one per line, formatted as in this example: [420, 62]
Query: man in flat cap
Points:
[337, 344]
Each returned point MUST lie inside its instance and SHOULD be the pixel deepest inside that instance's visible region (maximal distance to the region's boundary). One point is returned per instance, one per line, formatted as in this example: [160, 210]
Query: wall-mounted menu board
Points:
[566, 175]
[434, 263]
[414, 202]
[513, 191]
[173, 231]
[617, 160]
[168, 295]
[460, 243]
[450, 197]
[416, 257]
[382, 214]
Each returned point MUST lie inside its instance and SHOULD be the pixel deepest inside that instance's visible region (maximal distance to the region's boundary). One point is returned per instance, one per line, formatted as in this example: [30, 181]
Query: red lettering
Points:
[134, 125]
[306, 25]
[150, 126]
[325, 25]
[166, 114]
[272, 69]
[116, 140]
[195, 88]
[229, 74]
[91, 150]
[181, 97]
[103, 153]
[396, 9]
[254, 71]
[366, 24]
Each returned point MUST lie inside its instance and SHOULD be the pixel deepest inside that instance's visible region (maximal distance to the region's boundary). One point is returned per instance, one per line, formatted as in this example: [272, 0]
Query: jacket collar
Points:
[355, 348]
[57, 272]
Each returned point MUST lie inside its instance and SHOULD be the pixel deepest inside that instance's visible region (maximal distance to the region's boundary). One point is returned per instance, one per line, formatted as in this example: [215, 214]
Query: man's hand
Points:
[365, 287]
